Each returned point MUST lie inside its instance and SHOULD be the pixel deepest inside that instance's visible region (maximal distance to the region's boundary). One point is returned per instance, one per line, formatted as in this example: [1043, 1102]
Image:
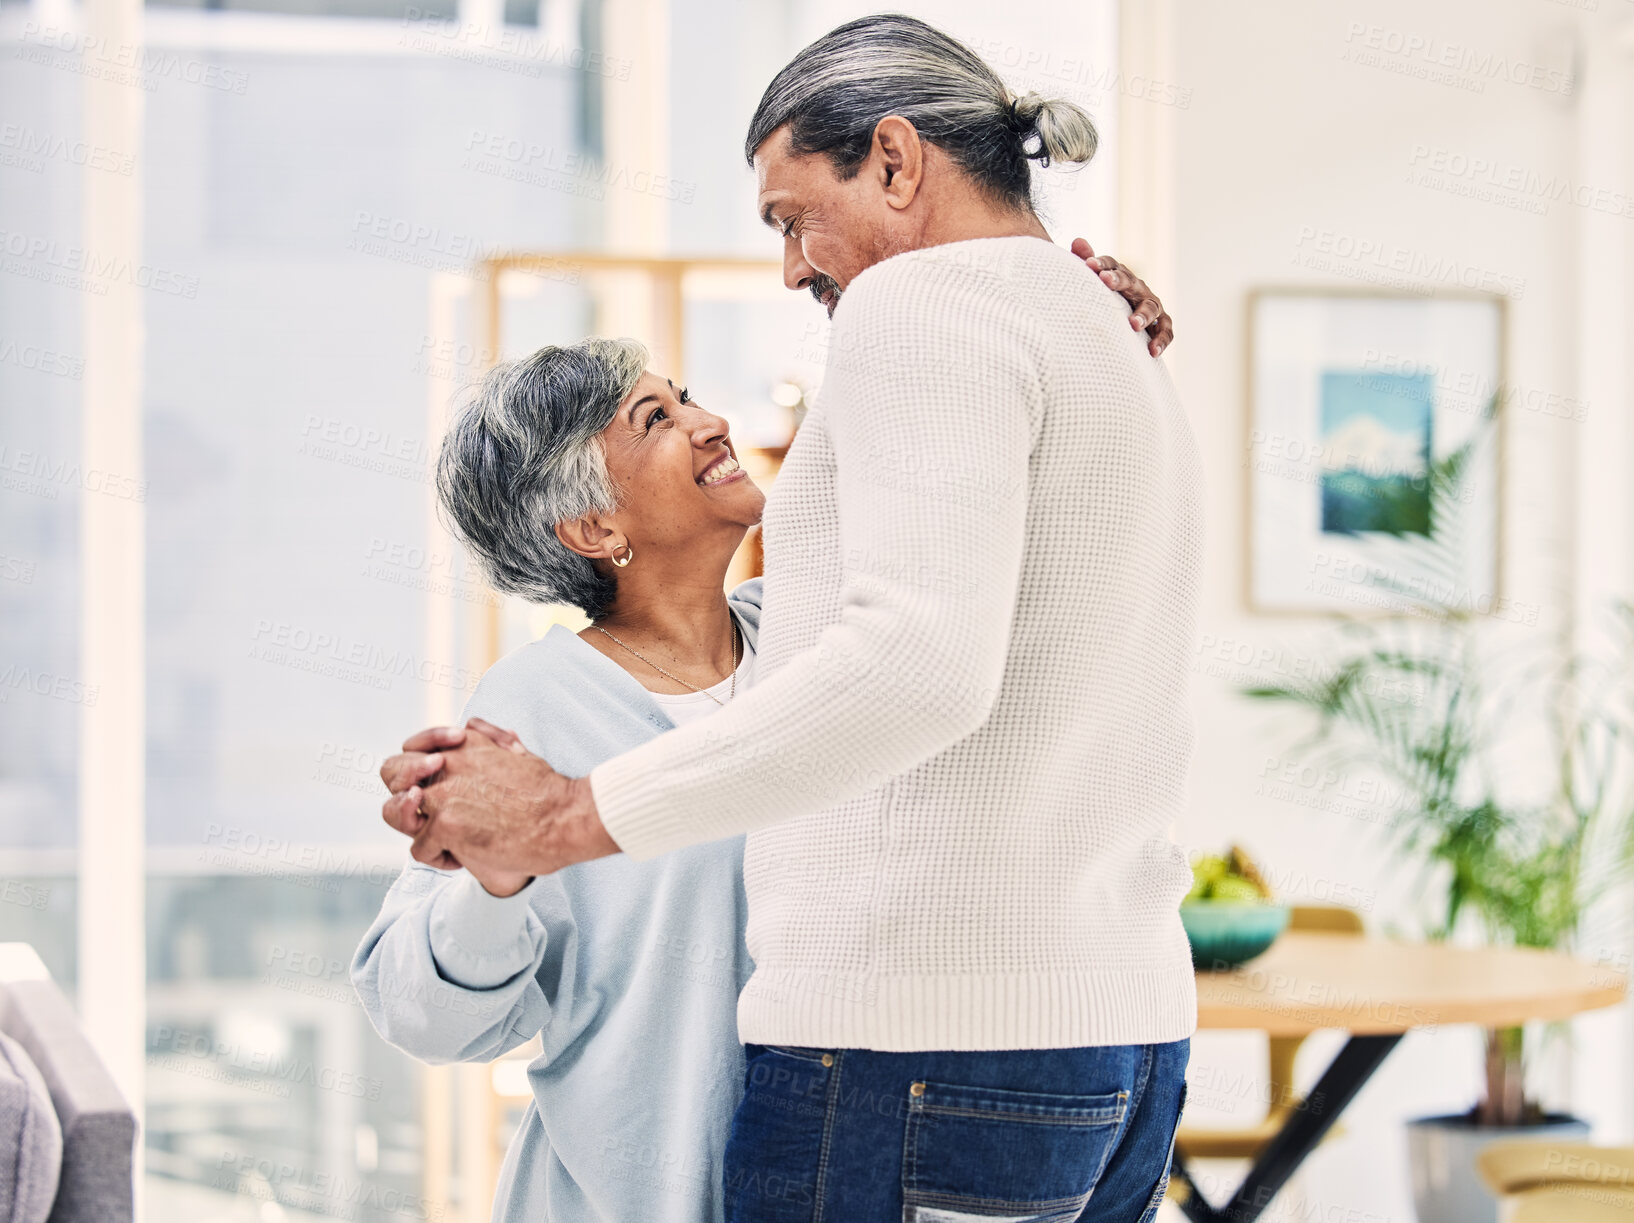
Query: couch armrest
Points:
[98, 1126]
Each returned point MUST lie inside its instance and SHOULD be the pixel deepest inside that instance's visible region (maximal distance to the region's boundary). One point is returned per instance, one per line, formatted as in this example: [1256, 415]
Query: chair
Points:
[97, 1179]
[1246, 1142]
[1560, 1182]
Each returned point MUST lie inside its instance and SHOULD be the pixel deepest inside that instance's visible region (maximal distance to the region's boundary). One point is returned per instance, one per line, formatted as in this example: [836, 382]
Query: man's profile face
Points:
[832, 228]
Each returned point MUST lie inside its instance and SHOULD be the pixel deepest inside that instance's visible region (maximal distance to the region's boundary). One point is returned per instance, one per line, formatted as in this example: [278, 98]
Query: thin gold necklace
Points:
[731, 692]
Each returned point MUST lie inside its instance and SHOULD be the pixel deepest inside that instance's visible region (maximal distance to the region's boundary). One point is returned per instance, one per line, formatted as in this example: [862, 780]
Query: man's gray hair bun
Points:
[1064, 131]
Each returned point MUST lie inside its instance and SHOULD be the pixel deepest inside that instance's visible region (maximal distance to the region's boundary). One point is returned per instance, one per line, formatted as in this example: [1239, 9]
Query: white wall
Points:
[1297, 127]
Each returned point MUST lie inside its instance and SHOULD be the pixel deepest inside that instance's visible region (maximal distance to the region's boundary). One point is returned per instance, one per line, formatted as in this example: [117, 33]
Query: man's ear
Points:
[588, 536]
[900, 158]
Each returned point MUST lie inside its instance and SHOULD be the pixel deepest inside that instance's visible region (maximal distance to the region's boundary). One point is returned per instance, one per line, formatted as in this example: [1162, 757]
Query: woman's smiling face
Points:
[674, 469]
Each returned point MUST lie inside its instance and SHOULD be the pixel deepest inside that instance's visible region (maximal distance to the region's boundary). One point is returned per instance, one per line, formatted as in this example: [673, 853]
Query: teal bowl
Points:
[1226, 933]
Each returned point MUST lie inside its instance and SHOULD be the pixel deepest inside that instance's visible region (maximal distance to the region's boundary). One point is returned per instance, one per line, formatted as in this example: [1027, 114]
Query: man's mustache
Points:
[821, 286]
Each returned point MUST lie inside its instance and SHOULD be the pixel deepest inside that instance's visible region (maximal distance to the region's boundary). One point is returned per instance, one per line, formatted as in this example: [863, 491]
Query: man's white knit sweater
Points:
[970, 731]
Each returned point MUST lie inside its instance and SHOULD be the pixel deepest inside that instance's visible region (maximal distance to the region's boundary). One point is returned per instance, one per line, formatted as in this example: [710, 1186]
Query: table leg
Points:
[1297, 1138]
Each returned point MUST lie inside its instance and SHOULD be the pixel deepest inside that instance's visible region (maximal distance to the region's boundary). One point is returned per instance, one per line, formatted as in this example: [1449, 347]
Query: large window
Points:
[311, 214]
[42, 487]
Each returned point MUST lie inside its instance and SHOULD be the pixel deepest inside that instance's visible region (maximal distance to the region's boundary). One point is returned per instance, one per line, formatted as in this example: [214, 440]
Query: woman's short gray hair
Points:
[834, 93]
[524, 453]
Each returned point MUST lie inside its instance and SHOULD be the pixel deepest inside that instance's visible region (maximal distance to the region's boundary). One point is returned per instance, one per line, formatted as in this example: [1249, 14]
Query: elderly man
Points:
[973, 996]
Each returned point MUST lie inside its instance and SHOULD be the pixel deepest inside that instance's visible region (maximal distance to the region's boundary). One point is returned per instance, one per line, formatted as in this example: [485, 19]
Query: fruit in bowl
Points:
[1229, 914]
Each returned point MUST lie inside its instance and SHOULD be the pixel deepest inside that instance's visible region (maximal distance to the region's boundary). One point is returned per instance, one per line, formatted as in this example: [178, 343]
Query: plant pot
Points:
[1441, 1153]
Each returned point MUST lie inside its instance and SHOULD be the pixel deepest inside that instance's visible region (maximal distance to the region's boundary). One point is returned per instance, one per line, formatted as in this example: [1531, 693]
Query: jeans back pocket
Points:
[974, 1153]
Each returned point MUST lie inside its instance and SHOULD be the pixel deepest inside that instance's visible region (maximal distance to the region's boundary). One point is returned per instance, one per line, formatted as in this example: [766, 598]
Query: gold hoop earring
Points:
[629, 555]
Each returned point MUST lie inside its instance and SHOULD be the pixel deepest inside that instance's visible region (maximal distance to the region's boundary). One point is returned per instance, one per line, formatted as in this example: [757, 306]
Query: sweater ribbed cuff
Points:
[481, 940]
[633, 811]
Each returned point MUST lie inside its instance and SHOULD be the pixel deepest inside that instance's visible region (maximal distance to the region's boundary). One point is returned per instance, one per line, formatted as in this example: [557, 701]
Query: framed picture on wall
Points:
[1374, 452]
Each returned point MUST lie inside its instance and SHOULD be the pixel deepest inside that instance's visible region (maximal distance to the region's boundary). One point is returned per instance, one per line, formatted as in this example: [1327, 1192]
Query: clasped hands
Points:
[474, 797]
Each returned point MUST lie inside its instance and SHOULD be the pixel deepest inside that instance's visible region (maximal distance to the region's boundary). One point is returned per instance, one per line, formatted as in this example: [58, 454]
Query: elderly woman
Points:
[578, 477]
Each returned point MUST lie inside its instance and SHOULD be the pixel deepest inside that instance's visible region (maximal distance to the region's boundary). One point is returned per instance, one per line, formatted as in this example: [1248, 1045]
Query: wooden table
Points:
[1377, 991]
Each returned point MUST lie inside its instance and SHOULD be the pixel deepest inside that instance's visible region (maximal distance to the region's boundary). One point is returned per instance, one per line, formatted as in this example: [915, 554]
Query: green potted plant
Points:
[1428, 703]
[1421, 702]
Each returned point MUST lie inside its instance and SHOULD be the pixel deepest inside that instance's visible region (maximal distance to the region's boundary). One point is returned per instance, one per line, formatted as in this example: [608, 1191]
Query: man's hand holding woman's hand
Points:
[475, 797]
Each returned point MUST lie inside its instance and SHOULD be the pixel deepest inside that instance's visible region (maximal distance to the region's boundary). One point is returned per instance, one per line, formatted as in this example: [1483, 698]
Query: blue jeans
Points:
[1023, 1136]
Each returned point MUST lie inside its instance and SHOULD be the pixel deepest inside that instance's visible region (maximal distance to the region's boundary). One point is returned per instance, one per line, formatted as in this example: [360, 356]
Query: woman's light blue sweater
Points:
[629, 971]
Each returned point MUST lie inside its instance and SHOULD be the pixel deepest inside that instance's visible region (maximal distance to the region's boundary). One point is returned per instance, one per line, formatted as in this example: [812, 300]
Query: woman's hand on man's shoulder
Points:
[1148, 314]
